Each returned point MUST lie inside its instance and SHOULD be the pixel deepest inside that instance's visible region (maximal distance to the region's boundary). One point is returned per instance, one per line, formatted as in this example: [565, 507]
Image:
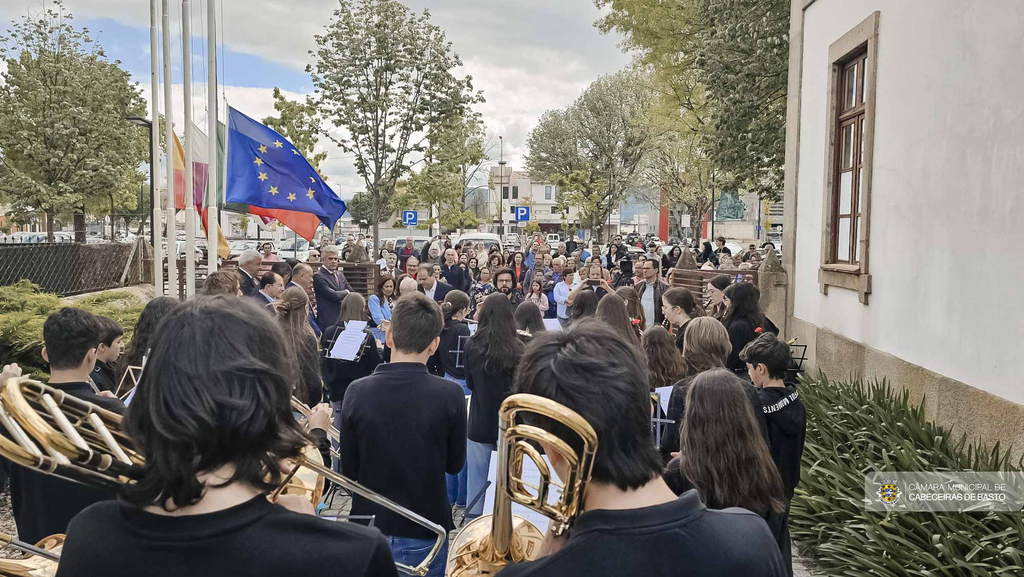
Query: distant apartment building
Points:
[511, 188]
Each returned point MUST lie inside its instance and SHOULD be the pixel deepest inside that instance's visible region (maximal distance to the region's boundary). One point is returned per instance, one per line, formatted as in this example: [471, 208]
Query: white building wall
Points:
[948, 190]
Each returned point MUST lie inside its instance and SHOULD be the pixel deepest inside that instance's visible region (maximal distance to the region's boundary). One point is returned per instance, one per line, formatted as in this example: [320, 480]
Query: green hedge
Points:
[23, 309]
[857, 428]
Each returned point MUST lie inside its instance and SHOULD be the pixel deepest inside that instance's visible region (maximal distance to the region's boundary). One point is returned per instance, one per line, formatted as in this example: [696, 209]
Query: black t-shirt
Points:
[402, 429]
[44, 504]
[677, 538]
[255, 538]
[103, 376]
[786, 420]
[489, 391]
[450, 357]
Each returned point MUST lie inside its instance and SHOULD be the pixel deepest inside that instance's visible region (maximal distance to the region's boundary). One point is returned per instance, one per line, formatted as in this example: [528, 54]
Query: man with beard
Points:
[504, 282]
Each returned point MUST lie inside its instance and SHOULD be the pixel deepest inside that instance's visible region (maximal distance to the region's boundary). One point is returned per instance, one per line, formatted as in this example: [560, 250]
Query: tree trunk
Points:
[376, 217]
[80, 225]
[49, 226]
[111, 196]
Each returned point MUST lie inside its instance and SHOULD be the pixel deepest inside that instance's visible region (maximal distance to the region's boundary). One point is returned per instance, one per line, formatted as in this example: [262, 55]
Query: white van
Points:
[487, 239]
[553, 239]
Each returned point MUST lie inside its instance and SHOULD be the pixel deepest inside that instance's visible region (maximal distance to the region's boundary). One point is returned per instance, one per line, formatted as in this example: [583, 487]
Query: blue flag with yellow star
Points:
[265, 170]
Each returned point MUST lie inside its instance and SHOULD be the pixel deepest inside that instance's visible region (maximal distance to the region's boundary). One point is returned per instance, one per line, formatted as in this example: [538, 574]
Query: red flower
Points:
[757, 330]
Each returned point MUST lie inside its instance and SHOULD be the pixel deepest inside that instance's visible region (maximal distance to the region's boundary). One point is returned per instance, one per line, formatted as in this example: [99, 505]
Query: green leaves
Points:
[855, 428]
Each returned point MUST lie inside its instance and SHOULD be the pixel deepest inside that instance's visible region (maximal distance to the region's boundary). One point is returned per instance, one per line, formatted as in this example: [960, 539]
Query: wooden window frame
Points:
[860, 42]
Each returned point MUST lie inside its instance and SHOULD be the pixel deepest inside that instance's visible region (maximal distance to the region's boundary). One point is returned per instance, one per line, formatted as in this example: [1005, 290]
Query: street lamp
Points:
[139, 121]
[501, 186]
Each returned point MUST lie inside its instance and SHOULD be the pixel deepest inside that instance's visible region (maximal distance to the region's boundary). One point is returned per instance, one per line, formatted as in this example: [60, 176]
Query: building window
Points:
[504, 192]
[554, 210]
[547, 193]
[515, 192]
[846, 211]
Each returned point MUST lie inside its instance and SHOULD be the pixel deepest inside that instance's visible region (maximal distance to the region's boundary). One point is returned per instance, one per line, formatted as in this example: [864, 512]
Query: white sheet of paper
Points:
[552, 324]
[532, 477]
[131, 395]
[348, 344]
[355, 325]
[472, 328]
[666, 393]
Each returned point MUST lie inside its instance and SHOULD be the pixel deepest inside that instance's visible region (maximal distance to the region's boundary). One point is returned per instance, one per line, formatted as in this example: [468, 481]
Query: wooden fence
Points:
[697, 280]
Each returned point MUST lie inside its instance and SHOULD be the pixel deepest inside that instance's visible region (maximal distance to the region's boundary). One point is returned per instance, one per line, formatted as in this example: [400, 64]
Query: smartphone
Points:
[593, 282]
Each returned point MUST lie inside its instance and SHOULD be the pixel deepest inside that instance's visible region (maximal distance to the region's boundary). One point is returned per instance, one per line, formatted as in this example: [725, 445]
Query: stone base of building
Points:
[948, 402]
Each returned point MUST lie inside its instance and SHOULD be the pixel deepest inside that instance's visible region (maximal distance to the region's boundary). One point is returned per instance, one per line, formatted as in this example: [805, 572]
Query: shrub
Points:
[23, 309]
[857, 428]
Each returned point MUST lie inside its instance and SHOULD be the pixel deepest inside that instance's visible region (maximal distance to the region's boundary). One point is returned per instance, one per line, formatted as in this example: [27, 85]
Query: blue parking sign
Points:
[522, 213]
[409, 217]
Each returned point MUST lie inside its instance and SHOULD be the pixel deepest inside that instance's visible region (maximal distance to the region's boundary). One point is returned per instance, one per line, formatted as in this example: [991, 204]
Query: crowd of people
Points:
[451, 332]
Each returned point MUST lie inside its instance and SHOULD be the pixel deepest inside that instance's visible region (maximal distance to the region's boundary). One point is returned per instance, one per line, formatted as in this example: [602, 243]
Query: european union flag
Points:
[265, 170]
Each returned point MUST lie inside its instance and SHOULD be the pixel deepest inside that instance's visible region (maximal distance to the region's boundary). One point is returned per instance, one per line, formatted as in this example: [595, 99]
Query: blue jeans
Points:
[457, 483]
[412, 551]
[478, 462]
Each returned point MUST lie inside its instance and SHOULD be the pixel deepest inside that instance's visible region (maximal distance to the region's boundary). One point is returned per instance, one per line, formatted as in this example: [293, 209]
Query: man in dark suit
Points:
[330, 287]
[271, 287]
[248, 270]
[302, 277]
[429, 285]
[452, 273]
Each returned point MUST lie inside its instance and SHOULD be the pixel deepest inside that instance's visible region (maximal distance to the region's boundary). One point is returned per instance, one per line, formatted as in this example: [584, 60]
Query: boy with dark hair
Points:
[111, 345]
[768, 359]
[632, 523]
[44, 505]
[402, 429]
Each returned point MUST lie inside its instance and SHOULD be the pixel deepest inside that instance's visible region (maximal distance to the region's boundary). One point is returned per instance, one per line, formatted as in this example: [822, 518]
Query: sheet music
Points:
[531, 476]
[472, 328]
[131, 395]
[664, 393]
[348, 344]
[552, 324]
[355, 325]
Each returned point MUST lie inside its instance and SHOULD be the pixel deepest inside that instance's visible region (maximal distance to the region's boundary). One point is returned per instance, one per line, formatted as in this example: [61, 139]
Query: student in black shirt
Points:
[632, 523]
[723, 454]
[109, 350]
[44, 505]
[767, 360]
[402, 429]
[213, 418]
[450, 361]
[744, 320]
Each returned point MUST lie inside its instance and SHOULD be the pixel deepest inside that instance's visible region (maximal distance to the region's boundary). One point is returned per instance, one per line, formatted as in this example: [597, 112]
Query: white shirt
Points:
[430, 292]
[561, 293]
[647, 302]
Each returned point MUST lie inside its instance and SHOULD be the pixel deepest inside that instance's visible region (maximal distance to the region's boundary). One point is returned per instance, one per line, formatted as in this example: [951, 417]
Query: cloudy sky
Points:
[526, 55]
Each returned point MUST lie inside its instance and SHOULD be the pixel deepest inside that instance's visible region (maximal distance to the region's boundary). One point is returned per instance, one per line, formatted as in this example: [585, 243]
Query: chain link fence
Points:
[71, 268]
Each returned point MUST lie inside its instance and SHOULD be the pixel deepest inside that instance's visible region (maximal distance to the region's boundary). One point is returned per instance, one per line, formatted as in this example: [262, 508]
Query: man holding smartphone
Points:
[594, 282]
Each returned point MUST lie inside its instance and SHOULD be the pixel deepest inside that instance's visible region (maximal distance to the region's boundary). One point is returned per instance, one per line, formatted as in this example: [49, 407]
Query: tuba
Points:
[59, 434]
[488, 543]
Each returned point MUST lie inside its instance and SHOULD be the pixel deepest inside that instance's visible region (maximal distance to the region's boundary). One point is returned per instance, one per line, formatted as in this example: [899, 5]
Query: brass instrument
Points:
[40, 559]
[332, 433]
[488, 543]
[62, 435]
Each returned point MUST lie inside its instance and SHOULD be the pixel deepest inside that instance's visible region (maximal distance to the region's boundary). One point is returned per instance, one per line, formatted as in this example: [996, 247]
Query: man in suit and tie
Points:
[302, 277]
[330, 287]
[429, 285]
[271, 287]
[248, 269]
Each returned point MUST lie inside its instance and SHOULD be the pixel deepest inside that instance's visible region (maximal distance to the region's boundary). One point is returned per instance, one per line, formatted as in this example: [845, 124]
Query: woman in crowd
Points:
[716, 290]
[142, 340]
[528, 318]
[537, 296]
[707, 255]
[744, 320]
[633, 306]
[669, 260]
[723, 454]
[338, 373]
[663, 360]
[495, 261]
[480, 290]
[492, 355]
[474, 269]
[725, 262]
[449, 362]
[518, 266]
[506, 257]
[679, 307]
[612, 310]
[584, 306]
[300, 343]
[380, 305]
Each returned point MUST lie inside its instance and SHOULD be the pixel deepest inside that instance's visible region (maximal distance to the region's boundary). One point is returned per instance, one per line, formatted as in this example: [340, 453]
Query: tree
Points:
[726, 60]
[384, 75]
[63, 131]
[300, 124]
[593, 149]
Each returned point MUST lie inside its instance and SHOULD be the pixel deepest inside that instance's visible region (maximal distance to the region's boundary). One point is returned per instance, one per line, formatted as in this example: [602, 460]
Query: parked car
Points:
[238, 246]
[553, 239]
[297, 248]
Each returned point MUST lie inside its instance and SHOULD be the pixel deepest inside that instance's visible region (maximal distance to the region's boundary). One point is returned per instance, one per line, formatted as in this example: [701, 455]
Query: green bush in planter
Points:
[857, 428]
[23, 309]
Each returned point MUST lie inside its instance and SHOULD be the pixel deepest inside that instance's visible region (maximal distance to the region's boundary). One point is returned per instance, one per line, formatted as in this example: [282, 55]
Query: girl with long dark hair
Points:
[492, 355]
[723, 455]
[669, 260]
[537, 296]
[584, 306]
[633, 307]
[380, 305]
[449, 361]
[664, 361]
[707, 255]
[528, 318]
[142, 339]
[300, 343]
[744, 319]
[679, 307]
[519, 269]
[338, 374]
[612, 310]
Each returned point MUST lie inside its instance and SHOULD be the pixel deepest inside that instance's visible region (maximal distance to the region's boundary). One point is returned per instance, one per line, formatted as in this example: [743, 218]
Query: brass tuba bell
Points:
[489, 543]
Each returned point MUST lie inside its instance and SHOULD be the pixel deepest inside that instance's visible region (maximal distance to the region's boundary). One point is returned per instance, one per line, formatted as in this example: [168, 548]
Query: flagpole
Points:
[190, 205]
[171, 231]
[212, 176]
[156, 220]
